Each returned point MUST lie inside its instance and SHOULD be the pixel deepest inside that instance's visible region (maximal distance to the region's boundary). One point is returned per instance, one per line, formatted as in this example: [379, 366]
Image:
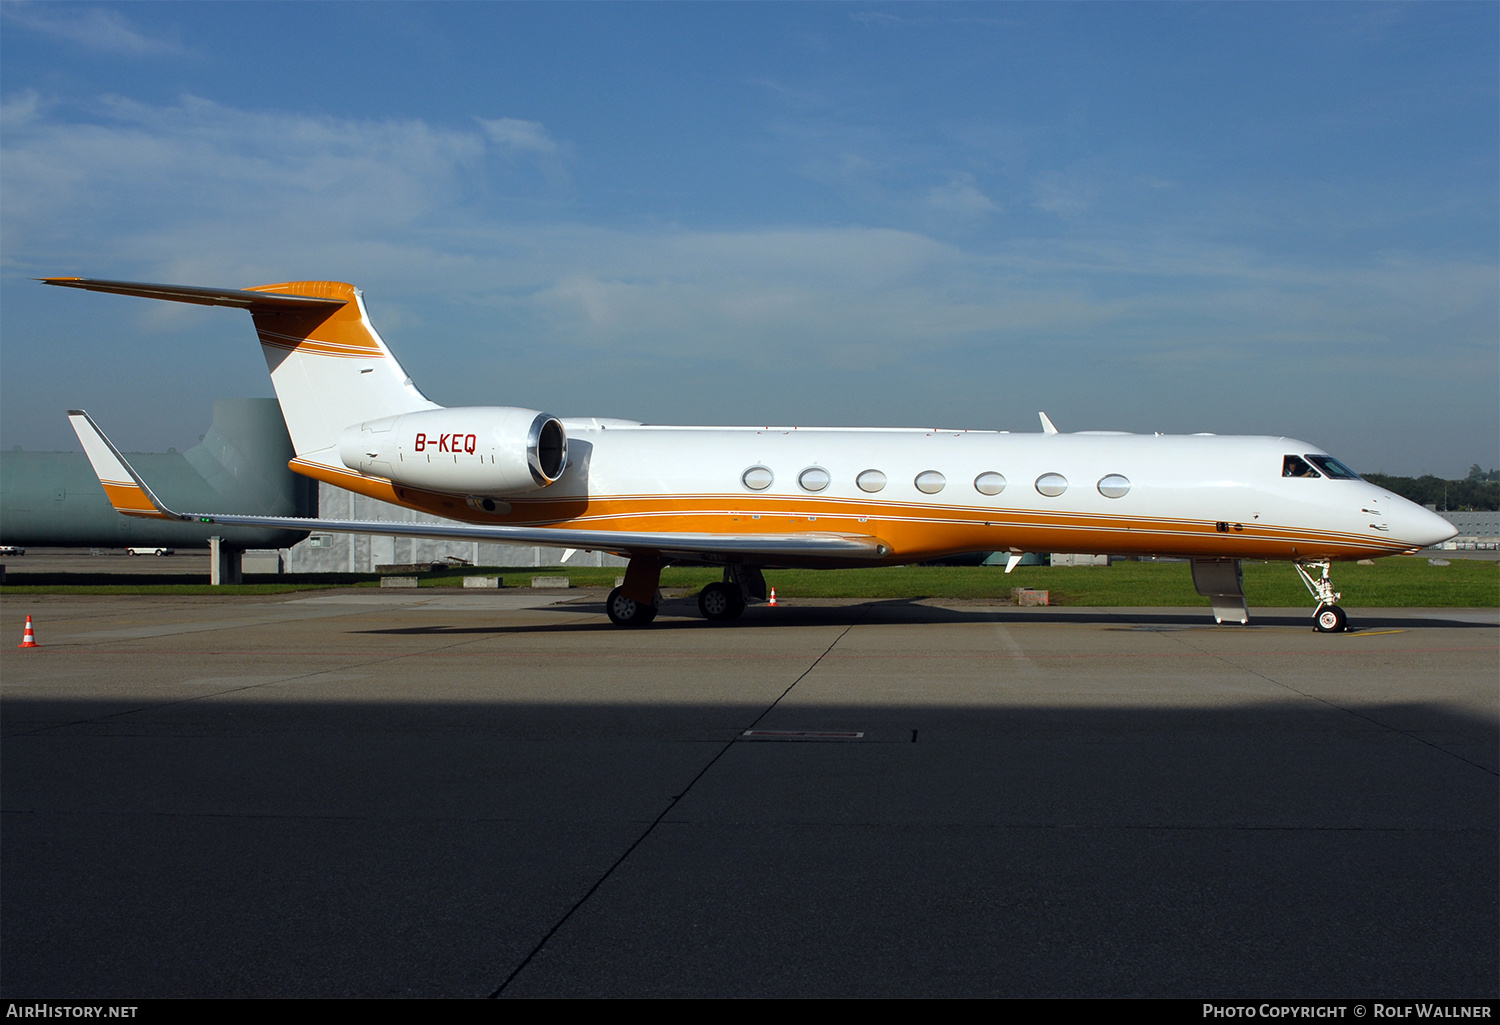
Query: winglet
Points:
[127, 492]
[1047, 427]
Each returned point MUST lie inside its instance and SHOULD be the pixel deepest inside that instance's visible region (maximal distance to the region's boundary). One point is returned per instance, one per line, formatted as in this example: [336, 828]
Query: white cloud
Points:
[206, 194]
[877, 18]
[517, 135]
[95, 28]
[1067, 194]
[961, 196]
[20, 110]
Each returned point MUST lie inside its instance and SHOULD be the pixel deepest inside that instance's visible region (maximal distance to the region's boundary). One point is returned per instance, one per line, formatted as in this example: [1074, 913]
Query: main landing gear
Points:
[1328, 618]
[722, 602]
[625, 611]
[634, 603]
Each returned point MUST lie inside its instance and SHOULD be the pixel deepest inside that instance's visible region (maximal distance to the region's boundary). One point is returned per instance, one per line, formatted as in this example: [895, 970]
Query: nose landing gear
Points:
[1328, 618]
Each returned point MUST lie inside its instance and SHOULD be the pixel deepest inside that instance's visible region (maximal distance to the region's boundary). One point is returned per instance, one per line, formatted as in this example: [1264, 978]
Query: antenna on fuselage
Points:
[1047, 427]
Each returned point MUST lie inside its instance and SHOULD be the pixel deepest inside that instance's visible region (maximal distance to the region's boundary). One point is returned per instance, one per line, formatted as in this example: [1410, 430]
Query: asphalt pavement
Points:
[442, 793]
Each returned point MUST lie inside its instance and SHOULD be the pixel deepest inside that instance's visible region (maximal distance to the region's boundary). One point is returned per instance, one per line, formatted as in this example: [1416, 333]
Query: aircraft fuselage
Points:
[932, 493]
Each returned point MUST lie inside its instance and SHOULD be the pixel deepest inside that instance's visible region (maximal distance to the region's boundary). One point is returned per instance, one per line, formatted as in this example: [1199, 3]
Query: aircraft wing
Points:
[808, 545]
[129, 495]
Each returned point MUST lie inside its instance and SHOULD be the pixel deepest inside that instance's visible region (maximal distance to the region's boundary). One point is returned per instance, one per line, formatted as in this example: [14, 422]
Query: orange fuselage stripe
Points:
[913, 532]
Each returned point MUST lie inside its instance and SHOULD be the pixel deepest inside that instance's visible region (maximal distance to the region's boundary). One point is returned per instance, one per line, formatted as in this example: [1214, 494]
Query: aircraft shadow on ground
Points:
[681, 614]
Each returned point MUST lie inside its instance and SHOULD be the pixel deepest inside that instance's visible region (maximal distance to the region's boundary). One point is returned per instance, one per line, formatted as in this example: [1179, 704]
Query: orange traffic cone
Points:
[771, 602]
[28, 639]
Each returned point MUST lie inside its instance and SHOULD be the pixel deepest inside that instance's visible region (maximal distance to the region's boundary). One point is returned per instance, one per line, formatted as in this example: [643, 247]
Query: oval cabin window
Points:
[1114, 486]
[1052, 484]
[989, 483]
[871, 481]
[814, 478]
[930, 482]
[757, 478]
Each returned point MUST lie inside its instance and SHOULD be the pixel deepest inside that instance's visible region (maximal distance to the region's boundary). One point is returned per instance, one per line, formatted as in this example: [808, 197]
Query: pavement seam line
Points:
[671, 803]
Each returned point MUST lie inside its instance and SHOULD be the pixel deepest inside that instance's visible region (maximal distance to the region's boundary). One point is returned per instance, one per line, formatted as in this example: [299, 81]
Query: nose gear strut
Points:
[1328, 618]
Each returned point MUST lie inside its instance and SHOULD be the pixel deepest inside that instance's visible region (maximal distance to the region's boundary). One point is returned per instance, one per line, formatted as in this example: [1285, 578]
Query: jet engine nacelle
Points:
[473, 450]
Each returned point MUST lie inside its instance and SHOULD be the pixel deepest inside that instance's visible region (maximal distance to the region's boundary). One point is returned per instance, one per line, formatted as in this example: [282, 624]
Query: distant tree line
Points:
[1479, 490]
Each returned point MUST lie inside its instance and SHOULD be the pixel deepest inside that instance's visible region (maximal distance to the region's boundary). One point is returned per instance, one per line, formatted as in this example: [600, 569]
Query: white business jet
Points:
[748, 498]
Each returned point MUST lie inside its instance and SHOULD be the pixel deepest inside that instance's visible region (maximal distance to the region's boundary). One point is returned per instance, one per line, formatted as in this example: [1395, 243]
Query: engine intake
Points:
[473, 450]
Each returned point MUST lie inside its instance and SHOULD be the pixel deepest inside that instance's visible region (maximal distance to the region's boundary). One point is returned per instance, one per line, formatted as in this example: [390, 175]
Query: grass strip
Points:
[1393, 582]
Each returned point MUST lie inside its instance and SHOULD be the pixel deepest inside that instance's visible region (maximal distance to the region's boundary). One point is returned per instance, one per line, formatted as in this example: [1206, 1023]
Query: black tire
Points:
[1330, 619]
[721, 603]
[623, 611]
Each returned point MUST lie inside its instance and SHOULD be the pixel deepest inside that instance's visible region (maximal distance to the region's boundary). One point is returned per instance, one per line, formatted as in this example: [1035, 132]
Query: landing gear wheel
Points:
[1330, 619]
[625, 611]
[720, 602]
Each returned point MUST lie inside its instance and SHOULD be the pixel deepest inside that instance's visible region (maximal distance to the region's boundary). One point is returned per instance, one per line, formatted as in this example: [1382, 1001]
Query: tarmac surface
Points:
[441, 793]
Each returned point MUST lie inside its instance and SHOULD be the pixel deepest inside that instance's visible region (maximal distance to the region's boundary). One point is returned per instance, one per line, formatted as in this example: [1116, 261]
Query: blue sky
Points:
[1238, 218]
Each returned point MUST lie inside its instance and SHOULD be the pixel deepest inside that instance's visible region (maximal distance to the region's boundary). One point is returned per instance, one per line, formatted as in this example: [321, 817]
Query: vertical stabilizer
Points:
[330, 368]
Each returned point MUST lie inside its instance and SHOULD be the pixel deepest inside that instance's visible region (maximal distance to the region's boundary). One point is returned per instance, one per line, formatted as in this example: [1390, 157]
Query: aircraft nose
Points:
[1420, 526]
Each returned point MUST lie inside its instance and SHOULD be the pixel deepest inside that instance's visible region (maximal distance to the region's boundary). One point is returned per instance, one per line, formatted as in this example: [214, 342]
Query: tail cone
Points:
[771, 602]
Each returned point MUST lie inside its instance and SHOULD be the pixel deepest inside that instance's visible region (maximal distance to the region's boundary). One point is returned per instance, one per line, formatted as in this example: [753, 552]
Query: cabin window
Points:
[814, 478]
[757, 478]
[871, 481]
[1296, 466]
[990, 483]
[1114, 485]
[1052, 484]
[1334, 468]
[930, 482]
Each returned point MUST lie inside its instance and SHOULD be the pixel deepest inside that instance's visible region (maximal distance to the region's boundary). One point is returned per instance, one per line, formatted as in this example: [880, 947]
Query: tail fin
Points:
[329, 366]
[127, 492]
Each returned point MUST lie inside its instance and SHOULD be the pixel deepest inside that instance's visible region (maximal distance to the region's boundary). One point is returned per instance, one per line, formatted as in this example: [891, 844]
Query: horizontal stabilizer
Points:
[239, 298]
[127, 492]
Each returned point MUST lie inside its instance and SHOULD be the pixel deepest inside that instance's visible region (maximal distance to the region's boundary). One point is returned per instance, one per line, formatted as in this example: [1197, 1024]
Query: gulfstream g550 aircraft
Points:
[746, 498]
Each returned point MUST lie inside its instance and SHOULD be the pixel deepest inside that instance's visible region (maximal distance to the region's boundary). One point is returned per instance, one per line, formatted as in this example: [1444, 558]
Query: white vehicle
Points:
[746, 498]
[150, 551]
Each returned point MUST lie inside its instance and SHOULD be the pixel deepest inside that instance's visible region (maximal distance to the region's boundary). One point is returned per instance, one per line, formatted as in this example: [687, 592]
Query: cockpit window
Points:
[1296, 466]
[1334, 468]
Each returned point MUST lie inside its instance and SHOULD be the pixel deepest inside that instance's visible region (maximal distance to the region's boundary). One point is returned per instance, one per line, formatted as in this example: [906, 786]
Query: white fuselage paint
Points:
[1192, 479]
